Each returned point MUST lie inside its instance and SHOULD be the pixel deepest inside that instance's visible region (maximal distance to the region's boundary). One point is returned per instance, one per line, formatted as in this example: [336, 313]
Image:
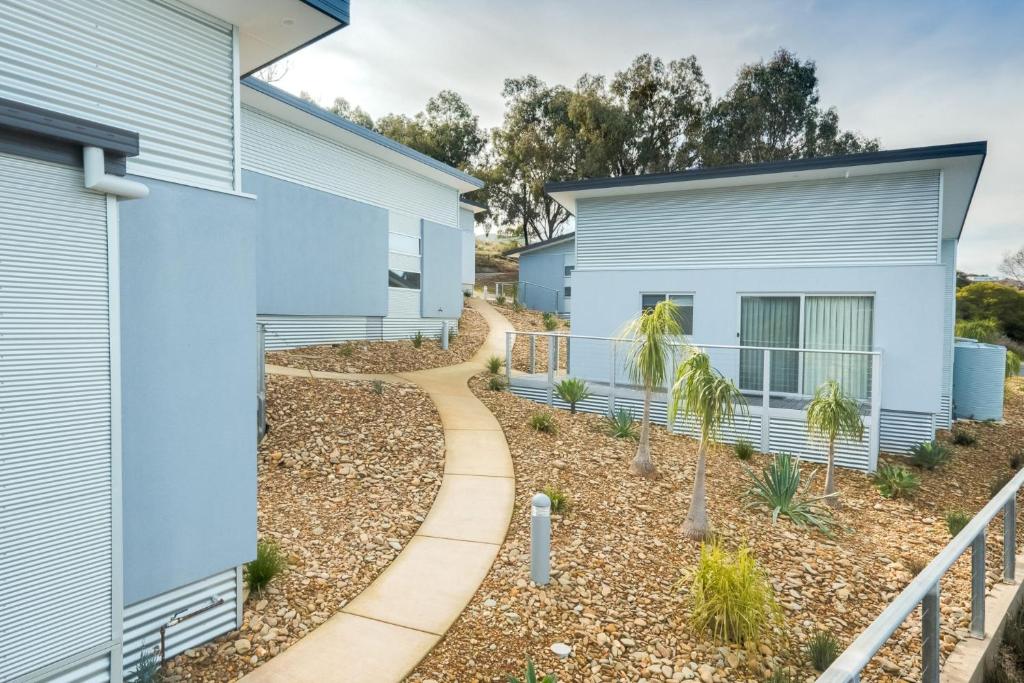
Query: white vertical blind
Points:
[839, 323]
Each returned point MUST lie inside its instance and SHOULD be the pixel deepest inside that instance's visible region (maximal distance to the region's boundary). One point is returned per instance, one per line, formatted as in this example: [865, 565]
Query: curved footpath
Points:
[383, 633]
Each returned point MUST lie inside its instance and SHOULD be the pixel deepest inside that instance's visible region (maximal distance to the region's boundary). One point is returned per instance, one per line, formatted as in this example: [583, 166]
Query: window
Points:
[568, 292]
[403, 279]
[403, 244]
[683, 301]
[839, 323]
[568, 270]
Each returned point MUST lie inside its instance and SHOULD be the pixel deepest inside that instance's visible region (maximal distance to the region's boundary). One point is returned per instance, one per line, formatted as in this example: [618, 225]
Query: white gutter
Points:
[98, 180]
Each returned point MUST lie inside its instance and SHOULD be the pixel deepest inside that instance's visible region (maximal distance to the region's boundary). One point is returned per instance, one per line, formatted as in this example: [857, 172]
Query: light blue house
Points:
[788, 274]
[468, 211]
[545, 273]
[357, 236]
[128, 342]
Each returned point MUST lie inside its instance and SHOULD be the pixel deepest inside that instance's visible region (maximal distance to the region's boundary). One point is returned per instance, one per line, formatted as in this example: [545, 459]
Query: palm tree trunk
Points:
[830, 475]
[642, 463]
[696, 526]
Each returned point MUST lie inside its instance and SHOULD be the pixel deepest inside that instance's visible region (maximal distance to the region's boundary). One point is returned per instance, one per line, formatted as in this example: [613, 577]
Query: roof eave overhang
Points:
[308, 116]
[539, 246]
[960, 165]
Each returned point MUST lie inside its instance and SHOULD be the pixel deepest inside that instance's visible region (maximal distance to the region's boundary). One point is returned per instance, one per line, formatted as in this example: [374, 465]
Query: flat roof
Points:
[470, 205]
[298, 111]
[960, 163]
[541, 245]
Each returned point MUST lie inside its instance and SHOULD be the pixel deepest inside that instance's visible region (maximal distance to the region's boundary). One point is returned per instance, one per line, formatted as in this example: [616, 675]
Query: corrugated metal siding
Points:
[979, 381]
[293, 331]
[898, 430]
[790, 436]
[96, 670]
[55, 433]
[159, 68]
[284, 151]
[142, 621]
[948, 325]
[886, 219]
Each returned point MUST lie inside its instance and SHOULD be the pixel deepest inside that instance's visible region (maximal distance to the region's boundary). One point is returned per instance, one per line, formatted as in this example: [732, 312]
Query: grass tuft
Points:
[743, 449]
[915, 564]
[560, 501]
[997, 484]
[962, 437]
[147, 667]
[929, 455]
[496, 383]
[377, 387]
[822, 650]
[494, 364]
[543, 422]
[730, 596]
[417, 339]
[895, 481]
[956, 520]
[269, 563]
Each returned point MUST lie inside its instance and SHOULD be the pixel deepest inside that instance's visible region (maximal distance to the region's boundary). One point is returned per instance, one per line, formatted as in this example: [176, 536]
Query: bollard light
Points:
[444, 335]
[540, 539]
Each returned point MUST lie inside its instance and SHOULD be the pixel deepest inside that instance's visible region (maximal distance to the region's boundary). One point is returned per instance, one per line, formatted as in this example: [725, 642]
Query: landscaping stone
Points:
[379, 357]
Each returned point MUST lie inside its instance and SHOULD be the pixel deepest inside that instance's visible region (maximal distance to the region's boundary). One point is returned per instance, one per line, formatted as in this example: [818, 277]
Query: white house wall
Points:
[156, 67]
[863, 220]
[468, 225]
[284, 151]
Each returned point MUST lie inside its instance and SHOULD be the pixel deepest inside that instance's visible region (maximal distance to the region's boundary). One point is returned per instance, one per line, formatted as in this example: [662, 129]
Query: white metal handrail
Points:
[924, 591]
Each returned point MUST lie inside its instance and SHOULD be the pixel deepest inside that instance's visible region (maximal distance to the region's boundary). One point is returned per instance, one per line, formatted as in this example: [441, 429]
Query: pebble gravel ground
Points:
[618, 557]
[346, 476]
[388, 356]
[532, 321]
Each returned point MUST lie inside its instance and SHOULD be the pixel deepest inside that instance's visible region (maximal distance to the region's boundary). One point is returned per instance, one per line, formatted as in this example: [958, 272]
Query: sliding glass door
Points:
[840, 323]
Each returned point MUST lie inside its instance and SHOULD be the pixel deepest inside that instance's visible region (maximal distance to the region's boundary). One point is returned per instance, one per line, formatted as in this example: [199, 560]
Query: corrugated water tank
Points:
[978, 377]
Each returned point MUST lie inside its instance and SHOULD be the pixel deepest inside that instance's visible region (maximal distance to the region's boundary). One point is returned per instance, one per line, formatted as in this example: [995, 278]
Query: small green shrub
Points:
[451, 336]
[987, 330]
[467, 293]
[743, 449]
[559, 499]
[956, 520]
[929, 455]
[822, 650]
[377, 387]
[730, 596]
[780, 676]
[147, 668]
[346, 350]
[269, 563]
[500, 300]
[518, 307]
[543, 422]
[496, 383]
[551, 324]
[572, 391]
[915, 564]
[531, 675]
[621, 424]
[1013, 363]
[417, 339]
[894, 481]
[962, 437]
[1016, 459]
[494, 364]
[779, 489]
[547, 315]
[997, 484]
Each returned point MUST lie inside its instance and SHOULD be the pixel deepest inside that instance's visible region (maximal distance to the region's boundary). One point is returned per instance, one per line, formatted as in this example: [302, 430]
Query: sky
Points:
[907, 72]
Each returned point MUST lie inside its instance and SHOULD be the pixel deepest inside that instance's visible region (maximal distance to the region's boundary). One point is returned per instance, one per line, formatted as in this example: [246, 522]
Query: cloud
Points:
[914, 73]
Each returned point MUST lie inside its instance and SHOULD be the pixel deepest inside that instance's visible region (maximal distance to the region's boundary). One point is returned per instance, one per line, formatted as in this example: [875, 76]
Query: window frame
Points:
[665, 296]
[419, 244]
[419, 278]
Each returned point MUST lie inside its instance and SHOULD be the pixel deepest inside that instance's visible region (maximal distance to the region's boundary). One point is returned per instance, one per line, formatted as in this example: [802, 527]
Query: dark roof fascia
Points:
[335, 9]
[42, 123]
[787, 166]
[343, 123]
[541, 245]
[470, 202]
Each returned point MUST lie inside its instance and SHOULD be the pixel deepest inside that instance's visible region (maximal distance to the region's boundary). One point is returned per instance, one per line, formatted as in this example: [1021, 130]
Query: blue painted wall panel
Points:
[188, 335]
[541, 278]
[442, 271]
[317, 253]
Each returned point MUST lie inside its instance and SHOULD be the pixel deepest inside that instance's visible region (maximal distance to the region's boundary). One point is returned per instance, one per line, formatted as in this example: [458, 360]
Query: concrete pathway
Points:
[384, 632]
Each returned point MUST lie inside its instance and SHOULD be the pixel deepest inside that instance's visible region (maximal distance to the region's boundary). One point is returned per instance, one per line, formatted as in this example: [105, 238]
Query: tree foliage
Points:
[991, 300]
[1012, 266]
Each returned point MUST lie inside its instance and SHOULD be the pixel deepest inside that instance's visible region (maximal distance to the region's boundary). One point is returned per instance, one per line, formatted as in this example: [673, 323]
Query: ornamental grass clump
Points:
[962, 437]
[531, 675]
[895, 481]
[956, 520]
[929, 455]
[743, 449]
[494, 364]
[572, 391]
[730, 596]
[559, 499]
[779, 489]
[496, 383]
[822, 650]
[621, 424]
[417, 339]
[269, 562]
[550, 322]
[543, 422]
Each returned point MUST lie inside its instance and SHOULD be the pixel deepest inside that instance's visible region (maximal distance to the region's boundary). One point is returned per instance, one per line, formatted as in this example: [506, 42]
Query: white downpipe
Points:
[98, 180]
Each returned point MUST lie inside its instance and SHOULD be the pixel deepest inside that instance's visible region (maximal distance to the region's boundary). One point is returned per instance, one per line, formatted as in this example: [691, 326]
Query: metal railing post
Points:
[611, 377]
[978, 586]
[552, 359]
[555, 343]
[568, 342]
[876, 411]
[766, 384]
[533, 354]
[930, 636]
[1010, 539]
[508, 358]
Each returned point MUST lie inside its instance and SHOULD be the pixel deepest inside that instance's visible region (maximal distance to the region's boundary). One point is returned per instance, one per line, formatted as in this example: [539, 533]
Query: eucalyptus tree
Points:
[652, 336]
[832, 415]
[701, 392]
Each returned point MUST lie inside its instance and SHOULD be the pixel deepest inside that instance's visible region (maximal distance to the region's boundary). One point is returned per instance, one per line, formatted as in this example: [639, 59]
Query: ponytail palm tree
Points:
[703, 393]
[833, 415]
[652, 334]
